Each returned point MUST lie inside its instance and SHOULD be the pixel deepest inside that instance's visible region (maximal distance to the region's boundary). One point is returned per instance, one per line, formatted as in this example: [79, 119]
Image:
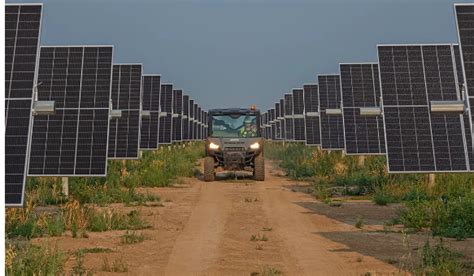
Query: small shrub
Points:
[34, 260]
[118, 266]
[107, 220]
[132, 238]
[359, 223]
[383, 198]
[439, 260]
[259, 237]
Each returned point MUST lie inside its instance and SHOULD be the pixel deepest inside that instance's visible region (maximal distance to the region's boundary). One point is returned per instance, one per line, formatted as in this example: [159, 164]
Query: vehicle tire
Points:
[259, 168]
[209, 169]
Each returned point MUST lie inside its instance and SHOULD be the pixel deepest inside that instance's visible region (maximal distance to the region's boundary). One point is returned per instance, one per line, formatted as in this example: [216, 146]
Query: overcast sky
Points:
[230, 53]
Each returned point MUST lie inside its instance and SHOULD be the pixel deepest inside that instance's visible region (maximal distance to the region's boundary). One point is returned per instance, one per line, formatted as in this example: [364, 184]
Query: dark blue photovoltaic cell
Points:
[289, 125]
[177, 115]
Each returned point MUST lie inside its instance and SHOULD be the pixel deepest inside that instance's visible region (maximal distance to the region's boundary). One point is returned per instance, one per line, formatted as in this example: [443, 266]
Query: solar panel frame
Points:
[331, 126]
[359, 130]
[311, 112]
[18, 144]
[82, 109]
[419, 105]
[466, 54]
[136, 108]
[150, 127]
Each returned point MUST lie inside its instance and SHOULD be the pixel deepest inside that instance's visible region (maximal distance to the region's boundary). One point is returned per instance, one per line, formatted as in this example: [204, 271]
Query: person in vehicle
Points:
[249, 128]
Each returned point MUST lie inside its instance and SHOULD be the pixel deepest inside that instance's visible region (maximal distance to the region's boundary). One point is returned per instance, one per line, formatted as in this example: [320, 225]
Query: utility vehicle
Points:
[234, 142]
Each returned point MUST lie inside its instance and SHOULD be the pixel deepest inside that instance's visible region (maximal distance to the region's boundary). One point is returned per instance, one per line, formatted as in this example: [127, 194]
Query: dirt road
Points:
[232, 227]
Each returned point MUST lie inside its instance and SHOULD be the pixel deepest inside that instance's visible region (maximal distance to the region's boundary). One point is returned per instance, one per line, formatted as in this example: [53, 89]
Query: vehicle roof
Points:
[233, 111]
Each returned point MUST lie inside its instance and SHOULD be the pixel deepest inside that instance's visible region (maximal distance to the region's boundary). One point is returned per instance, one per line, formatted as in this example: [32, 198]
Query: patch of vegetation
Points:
[259, 237]
[118, 265]
[107, 220]
[439, 260]
[132, 238]
[447, 209]
[94, 250]
[30, 259]
[359, 223]
[267, 229]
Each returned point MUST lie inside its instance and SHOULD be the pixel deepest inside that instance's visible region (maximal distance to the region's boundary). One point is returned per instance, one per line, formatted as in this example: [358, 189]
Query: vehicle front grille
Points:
[234, 149]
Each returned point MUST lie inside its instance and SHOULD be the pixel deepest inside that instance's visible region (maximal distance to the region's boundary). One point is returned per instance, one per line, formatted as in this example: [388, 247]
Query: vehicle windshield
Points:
[233, 126]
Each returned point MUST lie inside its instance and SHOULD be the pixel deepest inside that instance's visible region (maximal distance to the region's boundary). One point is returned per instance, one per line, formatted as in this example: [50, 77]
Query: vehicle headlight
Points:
[255, 146]
[213, 146]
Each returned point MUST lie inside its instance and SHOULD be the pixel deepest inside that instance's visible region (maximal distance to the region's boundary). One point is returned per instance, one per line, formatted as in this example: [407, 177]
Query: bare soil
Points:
[207, 228]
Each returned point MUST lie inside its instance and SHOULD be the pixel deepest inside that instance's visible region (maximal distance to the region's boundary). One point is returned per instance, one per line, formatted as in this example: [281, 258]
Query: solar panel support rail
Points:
[370, 111]
[333, 111]
[44, 108]
[447, 106]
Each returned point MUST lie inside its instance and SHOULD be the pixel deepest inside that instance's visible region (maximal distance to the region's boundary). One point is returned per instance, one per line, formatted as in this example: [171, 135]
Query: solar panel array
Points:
[151, 85]
[360, 86]
[74, 140]
[124, 137]
[22, 37]
[409, 106]
[330, 119]
[418, 140]
[311, 112]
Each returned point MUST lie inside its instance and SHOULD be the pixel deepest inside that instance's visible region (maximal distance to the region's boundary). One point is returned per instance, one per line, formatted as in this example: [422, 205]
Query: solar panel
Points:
[362, 113]
[330, 113]
[22, 37]
[191, 121]
[73, 141]
[289, 126]
[195, 120]
[151, 85]
[465, 25]
[277, 122]
[177, 115]
[165, 132]
[467, 121]
[185, 118]
[124, 136]
[414, 78]
[282, 120]
[298, 115]
[198, 123]
[272, 124]
[311, 113]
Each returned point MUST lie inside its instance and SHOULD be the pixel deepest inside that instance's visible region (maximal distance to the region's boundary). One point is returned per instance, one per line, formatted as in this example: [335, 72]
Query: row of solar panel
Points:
[414, 106]
[70, 108]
